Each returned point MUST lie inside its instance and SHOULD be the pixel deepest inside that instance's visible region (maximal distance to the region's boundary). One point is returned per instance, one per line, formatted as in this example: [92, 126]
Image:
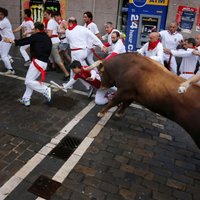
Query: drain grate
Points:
[44, 187]
[66, 147]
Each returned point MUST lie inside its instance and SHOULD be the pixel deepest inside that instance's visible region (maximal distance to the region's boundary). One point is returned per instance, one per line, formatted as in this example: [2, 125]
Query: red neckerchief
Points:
[28, 19]
[45, 21]
[88, 23]
[72, 27]
[153, 45]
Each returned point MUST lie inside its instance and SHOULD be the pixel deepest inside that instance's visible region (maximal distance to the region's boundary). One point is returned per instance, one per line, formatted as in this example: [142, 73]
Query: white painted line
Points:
[67, 167]
[55, 89]
[19, 176]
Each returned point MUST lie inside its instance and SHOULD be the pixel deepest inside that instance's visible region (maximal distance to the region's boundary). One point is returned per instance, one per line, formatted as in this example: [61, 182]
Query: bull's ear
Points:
[100, 68]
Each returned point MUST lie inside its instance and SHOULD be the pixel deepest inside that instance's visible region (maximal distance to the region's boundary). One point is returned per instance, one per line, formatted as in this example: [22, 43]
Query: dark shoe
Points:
[27, 63]
[66, 78]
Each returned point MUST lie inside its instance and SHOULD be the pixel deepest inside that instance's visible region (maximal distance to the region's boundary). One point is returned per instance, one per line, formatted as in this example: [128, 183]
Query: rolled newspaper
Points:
[58, 86]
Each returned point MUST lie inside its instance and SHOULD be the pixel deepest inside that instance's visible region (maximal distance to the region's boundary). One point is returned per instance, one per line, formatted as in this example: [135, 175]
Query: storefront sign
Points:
[38, 6]
[185, 18]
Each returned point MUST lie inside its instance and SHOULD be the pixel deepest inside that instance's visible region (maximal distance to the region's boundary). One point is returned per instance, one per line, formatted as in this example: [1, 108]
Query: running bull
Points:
[147, 82]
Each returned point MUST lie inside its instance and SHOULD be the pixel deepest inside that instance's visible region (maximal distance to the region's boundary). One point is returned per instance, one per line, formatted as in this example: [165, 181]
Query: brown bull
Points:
[147, 82]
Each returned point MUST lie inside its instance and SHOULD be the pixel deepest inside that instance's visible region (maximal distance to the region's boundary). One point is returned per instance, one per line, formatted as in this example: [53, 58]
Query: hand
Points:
[196, 53]
[183, 87]
[90, 79]
[104, 49]
[167, 51]
[8, 40]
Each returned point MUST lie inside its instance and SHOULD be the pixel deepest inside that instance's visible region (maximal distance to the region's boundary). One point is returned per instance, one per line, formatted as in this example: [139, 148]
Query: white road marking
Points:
[67, 167]
[19, 176]
[55, 89]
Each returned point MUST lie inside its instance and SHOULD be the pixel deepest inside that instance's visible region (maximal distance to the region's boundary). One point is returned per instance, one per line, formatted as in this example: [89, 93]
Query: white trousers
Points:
[90, 56]
[173, 64]
[100, 98]
[24, 53]
[4, 50]
[30, 80]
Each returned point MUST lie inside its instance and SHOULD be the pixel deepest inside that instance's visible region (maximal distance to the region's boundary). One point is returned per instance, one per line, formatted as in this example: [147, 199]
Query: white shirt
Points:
[92, 27]
[81, 37]
[28, 27]
[155, 54]
[6, 28]
[53, 26]
[118, 47]
[61, 28]
[188, 63]
[170, 41]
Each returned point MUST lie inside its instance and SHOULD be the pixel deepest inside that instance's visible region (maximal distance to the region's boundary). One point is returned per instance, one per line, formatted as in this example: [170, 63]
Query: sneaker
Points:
[27, 63]
[47, 94]
[25, 102]
[10, 72]
[90, 93]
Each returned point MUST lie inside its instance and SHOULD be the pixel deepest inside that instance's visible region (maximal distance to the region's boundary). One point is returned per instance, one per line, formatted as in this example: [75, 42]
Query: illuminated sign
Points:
[158, 2]
[141, 3]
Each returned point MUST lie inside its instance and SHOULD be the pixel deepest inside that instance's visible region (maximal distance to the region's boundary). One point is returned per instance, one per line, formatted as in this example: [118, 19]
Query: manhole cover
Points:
[44, 187]
[66, 147]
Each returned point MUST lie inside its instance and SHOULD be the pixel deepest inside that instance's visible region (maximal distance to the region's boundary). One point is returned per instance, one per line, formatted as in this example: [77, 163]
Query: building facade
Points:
[111, 10]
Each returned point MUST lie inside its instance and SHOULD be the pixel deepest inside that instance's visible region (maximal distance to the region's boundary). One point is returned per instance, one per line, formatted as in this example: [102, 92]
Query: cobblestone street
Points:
[142, 156]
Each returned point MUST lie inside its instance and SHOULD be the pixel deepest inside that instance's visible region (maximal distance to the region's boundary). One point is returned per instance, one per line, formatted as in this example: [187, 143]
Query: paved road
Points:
[140, 157]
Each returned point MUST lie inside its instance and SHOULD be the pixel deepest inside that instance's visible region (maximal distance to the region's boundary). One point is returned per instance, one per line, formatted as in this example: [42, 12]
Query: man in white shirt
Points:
[117, 46]
[28, 28]
[109, 28]
[52, 32]
[89, 24]
[5, 32]
[63, 46]
[78, 38]
[153, 49]
[170, 40]
[189, 60]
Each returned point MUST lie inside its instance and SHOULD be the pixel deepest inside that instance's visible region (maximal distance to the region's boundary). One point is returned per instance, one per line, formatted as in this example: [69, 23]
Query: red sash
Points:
[42, 71]
[54, 35]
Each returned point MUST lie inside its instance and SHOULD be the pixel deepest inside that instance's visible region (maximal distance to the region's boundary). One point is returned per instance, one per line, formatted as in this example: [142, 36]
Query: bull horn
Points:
[95, 64]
